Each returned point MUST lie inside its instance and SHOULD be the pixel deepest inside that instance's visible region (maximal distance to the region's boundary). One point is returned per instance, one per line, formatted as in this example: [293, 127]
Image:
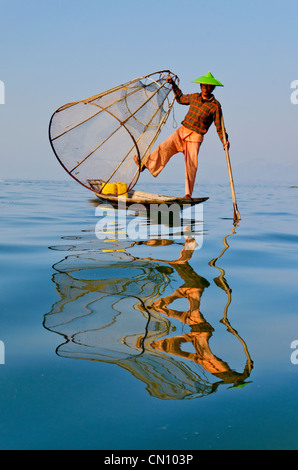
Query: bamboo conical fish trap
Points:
[96, 139]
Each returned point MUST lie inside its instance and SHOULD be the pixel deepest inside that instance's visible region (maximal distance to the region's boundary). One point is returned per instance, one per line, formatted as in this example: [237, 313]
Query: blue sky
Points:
[60, 51]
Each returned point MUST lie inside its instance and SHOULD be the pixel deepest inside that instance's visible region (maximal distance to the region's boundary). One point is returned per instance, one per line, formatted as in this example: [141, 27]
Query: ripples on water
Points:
[201, 335]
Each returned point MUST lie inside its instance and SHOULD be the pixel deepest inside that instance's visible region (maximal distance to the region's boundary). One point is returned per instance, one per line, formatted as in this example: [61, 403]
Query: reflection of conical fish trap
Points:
[96, 139]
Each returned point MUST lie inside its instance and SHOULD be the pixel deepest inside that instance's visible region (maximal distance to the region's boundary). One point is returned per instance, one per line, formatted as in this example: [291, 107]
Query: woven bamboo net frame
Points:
[96, 139]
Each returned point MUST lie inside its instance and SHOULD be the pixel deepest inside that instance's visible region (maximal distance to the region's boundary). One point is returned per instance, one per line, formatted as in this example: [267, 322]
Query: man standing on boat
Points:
[204, 109]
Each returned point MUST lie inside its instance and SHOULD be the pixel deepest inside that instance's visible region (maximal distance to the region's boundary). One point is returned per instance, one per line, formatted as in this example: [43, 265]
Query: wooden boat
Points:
[141, 197]
[146, 199]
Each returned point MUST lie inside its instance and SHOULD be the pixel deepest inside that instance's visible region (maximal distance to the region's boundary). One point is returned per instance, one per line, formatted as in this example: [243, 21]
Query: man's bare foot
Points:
[136, 160]
[187, 196]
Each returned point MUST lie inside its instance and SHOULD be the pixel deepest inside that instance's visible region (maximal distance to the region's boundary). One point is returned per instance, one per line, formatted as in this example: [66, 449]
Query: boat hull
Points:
[146, 199]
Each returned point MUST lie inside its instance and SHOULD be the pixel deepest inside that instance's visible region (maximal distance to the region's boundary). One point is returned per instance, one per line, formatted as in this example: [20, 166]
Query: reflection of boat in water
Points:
[114, 308]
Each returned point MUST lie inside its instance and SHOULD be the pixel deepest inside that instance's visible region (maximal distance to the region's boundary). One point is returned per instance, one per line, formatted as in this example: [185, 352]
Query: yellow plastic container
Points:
[122, 190]
[110, 188]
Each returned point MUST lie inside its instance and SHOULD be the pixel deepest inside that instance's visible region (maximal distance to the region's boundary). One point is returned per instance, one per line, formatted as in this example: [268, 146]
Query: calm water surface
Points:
[152, 343]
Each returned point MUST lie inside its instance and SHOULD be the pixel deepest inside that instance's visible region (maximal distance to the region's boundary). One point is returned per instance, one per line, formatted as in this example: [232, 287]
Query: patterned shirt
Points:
[201, 113]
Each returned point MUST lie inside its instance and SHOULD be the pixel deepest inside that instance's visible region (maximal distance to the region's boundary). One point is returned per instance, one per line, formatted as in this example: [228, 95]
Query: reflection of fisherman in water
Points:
[200, 330]
[113, 308]
[199, 336]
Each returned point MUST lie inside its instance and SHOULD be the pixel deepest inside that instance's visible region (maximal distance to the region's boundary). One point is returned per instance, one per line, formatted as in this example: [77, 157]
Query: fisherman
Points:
[204, 109]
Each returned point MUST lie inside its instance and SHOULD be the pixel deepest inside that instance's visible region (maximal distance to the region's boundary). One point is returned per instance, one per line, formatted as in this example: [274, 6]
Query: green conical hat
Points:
[208, 79]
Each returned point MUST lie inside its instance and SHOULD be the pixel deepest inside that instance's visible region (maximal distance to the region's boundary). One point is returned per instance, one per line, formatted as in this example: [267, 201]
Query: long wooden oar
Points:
[236, 211]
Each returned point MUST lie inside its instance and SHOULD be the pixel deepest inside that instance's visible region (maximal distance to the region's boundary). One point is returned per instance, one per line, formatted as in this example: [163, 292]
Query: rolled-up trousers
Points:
[182, 140]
